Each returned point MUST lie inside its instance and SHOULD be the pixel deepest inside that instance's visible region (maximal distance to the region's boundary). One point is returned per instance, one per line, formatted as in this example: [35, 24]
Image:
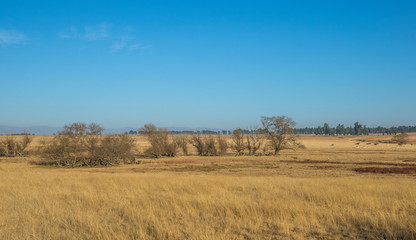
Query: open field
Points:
[337, 188]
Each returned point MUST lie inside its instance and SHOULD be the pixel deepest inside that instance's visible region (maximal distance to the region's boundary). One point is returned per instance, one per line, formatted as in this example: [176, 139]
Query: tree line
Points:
[340, 129]
[356, 129]
[83, 145]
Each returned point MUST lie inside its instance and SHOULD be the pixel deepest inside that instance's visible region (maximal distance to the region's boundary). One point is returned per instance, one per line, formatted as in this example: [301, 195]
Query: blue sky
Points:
[219, 64]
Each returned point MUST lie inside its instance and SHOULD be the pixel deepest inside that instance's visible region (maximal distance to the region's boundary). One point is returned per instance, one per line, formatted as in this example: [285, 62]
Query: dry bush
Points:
[79, 148]
[238, 141]
[400, 139]
[10, 147]
[182, 143]
[254, 141]
[87, 150]
[204, 146]
[160, 141]
[222, 144]
[82, 129]
[111, 149]
[211, 147]
[199, 144]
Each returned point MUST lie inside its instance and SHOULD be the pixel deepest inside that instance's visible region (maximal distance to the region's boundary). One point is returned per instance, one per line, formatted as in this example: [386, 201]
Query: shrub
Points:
[254, 141]
[182, 143]
[400, 139]
[199, 144]
[205, 146]
[238, 141]
[10, 147]
[161, 144]
[211, 148]
[81, 148]
[222, 144]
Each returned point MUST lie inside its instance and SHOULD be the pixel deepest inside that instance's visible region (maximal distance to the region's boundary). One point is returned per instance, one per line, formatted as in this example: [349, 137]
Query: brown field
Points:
[337, 188]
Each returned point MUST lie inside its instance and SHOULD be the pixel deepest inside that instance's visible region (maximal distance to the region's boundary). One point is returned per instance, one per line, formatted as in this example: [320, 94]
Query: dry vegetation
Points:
[333, 189]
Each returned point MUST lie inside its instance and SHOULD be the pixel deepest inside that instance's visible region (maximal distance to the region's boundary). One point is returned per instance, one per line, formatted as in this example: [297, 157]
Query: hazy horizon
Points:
[207, 64]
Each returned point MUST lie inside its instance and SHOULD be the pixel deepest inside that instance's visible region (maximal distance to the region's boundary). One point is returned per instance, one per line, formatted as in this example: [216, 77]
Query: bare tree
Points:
[199, 144]
[79, 128]
[10, 147]
[254, 140]
[222, 144]
[182, 142]
[161, 144]
[95, 129]
[400, 139]
[280, 133]
[211, 147]
[238, 141]
[205, 146]
[74, 129]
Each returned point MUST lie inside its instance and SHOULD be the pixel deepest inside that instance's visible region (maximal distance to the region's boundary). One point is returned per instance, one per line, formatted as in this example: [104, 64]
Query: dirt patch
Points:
[398, 170]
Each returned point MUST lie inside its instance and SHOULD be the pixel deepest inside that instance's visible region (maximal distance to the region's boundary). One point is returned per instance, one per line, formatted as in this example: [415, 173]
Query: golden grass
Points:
[309, 194]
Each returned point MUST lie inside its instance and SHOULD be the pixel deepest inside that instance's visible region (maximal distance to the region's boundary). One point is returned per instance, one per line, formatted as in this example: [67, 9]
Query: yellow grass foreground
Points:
[310, 194]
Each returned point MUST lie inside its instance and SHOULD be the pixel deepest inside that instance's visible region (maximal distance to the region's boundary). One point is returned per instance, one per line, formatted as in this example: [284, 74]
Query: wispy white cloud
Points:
[120, 43]
[11, 37]
[122, 40]
[90, 33]
[139, 46]
[128, 43]
[98, 32]
[70, 32]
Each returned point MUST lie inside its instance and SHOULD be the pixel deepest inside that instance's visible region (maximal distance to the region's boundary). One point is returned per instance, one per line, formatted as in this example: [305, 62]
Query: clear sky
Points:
[219, 64]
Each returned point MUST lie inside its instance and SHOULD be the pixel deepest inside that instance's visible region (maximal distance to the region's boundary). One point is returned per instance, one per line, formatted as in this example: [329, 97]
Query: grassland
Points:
[337, 188]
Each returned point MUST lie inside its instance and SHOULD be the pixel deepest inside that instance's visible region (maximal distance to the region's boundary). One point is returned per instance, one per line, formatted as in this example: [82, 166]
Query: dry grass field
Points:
[337, 188]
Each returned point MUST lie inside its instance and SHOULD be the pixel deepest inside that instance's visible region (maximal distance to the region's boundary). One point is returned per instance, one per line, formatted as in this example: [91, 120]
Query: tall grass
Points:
[70, 204]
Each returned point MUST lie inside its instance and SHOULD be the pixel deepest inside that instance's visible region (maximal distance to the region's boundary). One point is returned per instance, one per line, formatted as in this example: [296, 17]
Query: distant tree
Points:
[161, 144]
[238, 141]
[319, 130]
[199, 144]
[205, 146]
[79, 128]
[182, 142]
[254, 140]
[365, 130]
[400, 139]
[340, 130]
[95, 129]
[393, 130]
[357, 128]
[222, 144]
[74, 129]
[280, 133]
[210, 146]
[402, 129]
[326, 129]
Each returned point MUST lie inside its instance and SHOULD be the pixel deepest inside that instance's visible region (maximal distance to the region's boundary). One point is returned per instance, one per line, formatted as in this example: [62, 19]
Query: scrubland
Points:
[353, 187]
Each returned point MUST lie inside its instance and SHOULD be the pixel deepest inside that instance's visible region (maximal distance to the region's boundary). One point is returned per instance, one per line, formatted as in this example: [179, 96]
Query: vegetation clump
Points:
[10, 147]
[80, 145]
[209, 145]
[161, 142]
[280, 133]
[400, 139]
